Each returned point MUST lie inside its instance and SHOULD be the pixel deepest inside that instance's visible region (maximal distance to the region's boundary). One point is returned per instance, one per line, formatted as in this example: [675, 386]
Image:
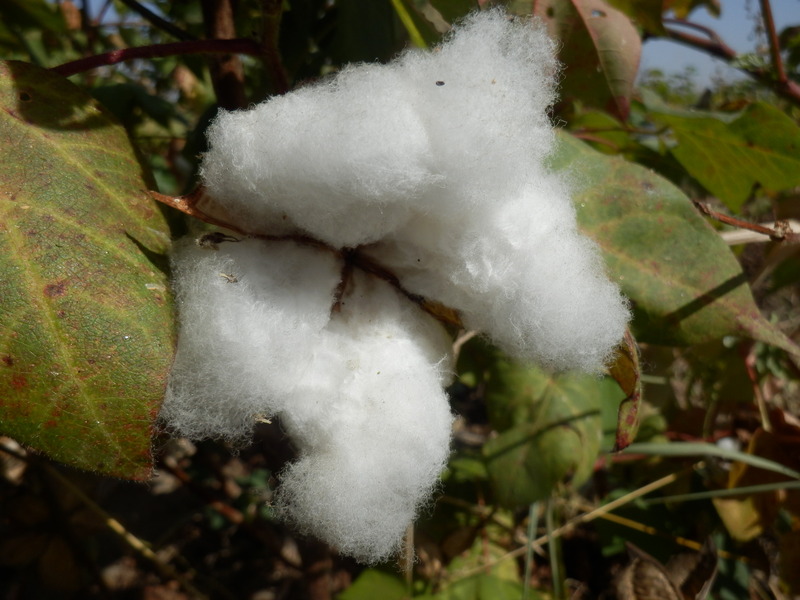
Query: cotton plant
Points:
[360, 202]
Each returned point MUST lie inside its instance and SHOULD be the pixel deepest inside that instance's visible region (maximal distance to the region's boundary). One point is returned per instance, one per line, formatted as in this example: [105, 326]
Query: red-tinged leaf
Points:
[600, 49]
[85, 319]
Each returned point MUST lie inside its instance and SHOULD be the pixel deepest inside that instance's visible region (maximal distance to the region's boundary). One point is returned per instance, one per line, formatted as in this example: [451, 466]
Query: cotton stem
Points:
[188, 205]
[227, 73]
[238, 46]
[271, 55]
[714, 46]
[774, 45]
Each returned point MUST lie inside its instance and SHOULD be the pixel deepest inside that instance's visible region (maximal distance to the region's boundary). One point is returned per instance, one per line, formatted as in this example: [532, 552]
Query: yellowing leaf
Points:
[85, 318]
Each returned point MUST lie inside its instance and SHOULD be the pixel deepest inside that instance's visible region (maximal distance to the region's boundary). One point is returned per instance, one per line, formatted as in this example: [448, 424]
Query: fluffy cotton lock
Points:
[359, 390]
[434, 165]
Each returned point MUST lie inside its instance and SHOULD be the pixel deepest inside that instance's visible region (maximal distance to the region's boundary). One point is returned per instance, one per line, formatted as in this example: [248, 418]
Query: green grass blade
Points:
[686, 449]
[726, 493]
[405, 18]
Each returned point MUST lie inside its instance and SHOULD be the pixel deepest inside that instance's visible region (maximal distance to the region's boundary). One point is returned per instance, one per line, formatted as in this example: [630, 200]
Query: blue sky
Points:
[735, 26]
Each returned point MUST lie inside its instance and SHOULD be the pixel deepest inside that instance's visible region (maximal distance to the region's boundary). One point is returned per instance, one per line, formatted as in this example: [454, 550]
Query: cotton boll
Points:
[372, 449]
[242, 345]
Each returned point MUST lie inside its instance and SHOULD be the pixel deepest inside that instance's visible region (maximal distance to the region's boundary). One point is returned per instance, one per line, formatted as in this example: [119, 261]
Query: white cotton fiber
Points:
[359, 391]
[373, 452]
[243, 345]
[527, 277]
[390, 137]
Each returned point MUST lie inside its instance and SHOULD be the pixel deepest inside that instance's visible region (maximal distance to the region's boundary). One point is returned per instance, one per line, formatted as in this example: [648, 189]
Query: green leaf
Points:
[374, 583]
[682, 8]
[602, 131]
[550, 427]
[483, 557]
[85, 321]
[600, 49]
[482, 587]
[31, 14]
[466, 468]
[646, 13]
[761, 146]
[685, 284]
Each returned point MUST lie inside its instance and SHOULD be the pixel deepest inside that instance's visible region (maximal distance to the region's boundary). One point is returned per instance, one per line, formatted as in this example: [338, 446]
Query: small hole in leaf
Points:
[598, 13]
[25, 97]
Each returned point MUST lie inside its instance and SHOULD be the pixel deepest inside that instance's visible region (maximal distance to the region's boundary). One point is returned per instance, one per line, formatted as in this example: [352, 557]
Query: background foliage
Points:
[669, 172]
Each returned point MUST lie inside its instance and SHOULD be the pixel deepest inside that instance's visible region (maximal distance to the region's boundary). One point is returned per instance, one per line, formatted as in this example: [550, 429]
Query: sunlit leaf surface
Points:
[85, 319]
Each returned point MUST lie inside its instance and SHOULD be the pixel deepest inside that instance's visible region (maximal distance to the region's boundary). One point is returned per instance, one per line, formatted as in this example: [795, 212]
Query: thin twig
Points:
[588, 137]
[710, 33]
[102, 13]
[272, 11]
[714, 46]
[779, 233]
[463, 338]
[237, 46]
[160, 23]
[774, 45]
[711, 44]
[190, 205]
[227, 72]
[788, 228]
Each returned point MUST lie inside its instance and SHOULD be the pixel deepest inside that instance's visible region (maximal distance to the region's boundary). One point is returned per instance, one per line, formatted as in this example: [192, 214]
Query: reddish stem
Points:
[714, 46]
[774, 45]
[227, 73]
[588, 137]
[235, 46]
[188, 205]
[273, 12]
[777, 234]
